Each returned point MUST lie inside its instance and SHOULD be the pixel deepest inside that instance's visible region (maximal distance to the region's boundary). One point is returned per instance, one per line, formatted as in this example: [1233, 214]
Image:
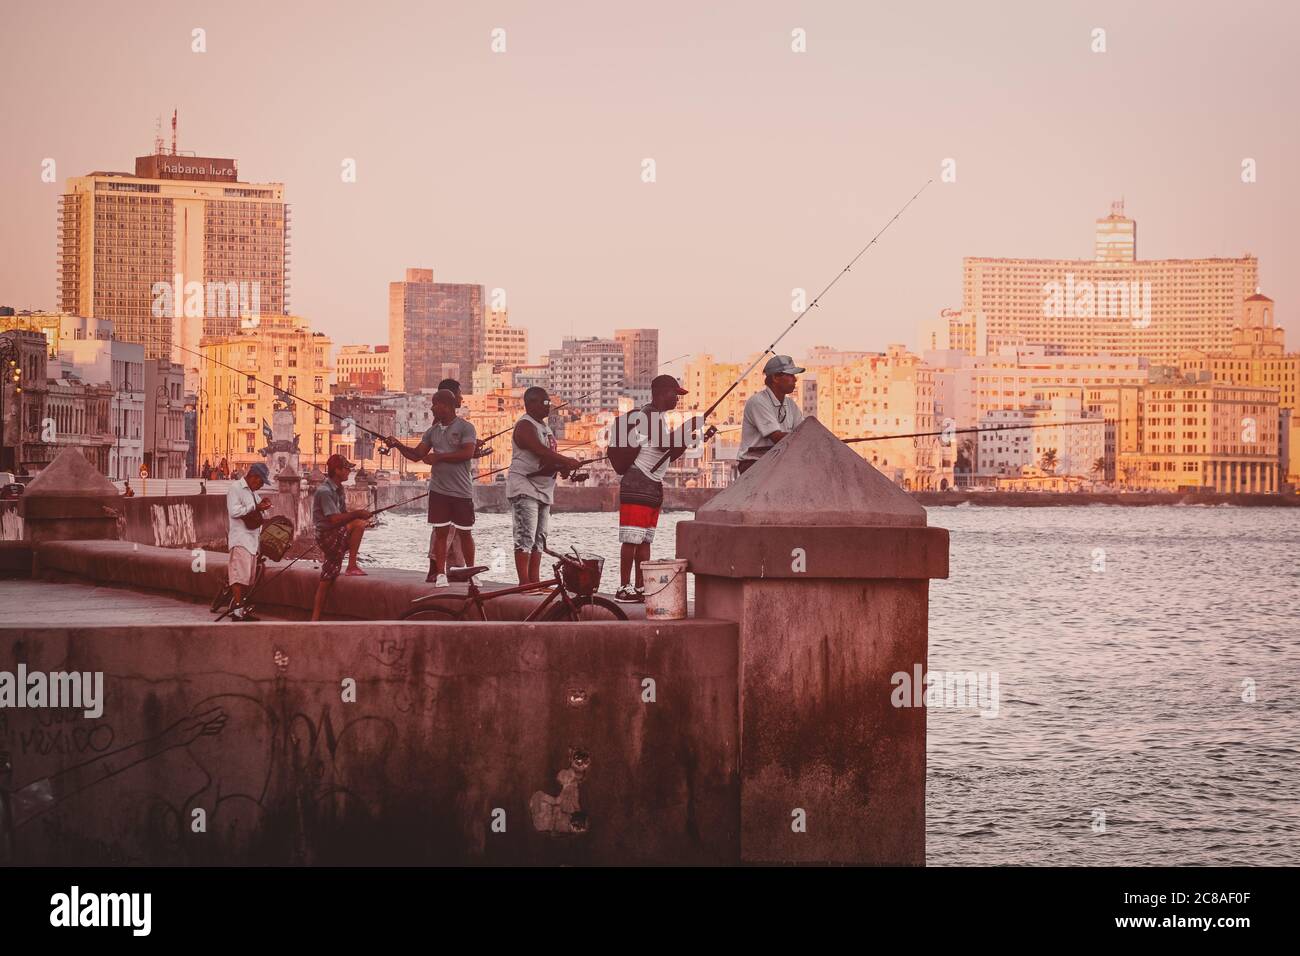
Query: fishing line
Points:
[811, 305]
[282, 391]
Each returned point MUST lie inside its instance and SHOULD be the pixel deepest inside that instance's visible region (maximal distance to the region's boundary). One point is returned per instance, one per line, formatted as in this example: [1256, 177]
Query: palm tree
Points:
[1099, 466]
[1048, 460]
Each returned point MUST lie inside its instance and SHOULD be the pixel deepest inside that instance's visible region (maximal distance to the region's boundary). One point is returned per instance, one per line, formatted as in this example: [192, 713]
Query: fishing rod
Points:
[383, 442]
[711, 431]
[771, 349]
[985, 428]
[261, 582]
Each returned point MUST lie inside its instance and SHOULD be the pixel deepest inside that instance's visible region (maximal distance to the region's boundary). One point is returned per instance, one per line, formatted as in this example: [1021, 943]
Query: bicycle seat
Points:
[461, 575]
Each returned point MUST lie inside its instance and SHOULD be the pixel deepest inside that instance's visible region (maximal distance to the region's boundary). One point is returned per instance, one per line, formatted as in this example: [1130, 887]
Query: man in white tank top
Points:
[533, 448]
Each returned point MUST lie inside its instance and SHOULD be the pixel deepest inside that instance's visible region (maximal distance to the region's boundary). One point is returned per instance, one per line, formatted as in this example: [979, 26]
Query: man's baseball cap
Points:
[259, 469]
[338, 461]
[666, 382]
[782, 365]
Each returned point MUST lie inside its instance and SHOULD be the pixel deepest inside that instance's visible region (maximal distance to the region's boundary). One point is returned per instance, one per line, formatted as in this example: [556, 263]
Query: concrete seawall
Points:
[378, 743]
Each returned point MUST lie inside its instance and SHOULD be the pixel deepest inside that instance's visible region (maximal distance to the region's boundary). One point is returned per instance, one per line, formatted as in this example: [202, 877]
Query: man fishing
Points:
[453, 386]
[338, 530]
[450, 446]
[242, 537]
[770, 414]
[646, 449]
[533, 448]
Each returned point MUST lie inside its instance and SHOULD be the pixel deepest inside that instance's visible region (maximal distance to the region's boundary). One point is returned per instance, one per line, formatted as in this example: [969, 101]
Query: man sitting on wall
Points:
[338, 530]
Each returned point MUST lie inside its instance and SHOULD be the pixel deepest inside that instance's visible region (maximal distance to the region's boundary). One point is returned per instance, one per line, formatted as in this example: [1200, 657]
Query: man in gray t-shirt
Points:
[448, 445]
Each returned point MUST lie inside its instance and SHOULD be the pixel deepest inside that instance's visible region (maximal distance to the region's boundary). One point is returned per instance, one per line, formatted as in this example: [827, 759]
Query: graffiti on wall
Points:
[173, 525]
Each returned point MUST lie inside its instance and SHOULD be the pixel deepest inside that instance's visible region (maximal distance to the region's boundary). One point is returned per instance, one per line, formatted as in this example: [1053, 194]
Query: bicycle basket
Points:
[582, 574]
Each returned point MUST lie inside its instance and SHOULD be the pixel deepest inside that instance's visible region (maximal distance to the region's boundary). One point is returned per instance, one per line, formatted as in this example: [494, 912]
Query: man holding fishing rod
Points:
[641, 448]
[530, 482]
[338, 530]
[449, 445]
[451, 496]
[770, 414]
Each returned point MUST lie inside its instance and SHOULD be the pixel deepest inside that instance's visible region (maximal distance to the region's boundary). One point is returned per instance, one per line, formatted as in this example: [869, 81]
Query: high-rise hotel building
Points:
[1114, 304]
[435, 331]
[178, 218]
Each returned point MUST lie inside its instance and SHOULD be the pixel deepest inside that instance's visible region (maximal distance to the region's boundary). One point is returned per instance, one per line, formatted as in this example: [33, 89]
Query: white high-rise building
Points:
[1114, 303]
[177, 250]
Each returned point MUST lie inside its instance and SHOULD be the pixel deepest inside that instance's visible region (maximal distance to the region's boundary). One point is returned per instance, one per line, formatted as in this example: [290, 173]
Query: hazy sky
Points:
[523, 169]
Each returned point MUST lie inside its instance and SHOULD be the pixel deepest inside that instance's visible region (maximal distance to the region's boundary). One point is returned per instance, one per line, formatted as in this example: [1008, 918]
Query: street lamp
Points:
[160, 393]
[122, 421]
[203, 402]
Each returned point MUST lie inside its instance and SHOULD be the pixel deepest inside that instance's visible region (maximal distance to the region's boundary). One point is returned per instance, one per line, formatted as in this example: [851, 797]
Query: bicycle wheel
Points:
[586, 608]
[429, 612]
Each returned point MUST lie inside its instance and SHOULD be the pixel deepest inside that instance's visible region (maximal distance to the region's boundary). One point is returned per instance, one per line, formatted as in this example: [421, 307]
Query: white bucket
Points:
[665, 589]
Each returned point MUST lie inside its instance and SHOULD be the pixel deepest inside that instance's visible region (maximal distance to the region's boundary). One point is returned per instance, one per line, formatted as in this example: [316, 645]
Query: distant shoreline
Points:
[1046, 499]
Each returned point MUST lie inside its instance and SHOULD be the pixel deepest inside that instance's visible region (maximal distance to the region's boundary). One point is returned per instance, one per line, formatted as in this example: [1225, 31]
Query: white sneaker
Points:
[441, 582]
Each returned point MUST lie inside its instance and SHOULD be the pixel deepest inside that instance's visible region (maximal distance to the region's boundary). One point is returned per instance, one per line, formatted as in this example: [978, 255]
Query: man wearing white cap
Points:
[771, 414]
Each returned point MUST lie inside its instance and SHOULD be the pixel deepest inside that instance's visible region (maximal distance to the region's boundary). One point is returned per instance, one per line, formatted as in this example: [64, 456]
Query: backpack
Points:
[621, 456]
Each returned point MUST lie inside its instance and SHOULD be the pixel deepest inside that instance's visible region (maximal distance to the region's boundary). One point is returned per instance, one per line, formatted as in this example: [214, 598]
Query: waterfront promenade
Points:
[364, 740]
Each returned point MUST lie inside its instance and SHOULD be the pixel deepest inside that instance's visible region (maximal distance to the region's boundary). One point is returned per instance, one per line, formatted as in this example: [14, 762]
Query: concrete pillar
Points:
[825, 565]
[71, 501]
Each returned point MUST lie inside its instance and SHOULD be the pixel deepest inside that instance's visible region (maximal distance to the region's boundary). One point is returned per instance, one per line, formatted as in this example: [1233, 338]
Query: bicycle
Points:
[579, 574]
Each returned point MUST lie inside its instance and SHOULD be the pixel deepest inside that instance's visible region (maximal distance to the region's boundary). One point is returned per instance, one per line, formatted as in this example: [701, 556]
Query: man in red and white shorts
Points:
[641, 491]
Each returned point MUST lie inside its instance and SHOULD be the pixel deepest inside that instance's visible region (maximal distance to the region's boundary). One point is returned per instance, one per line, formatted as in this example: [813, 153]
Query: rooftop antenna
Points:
[174, 112]
[157, 136]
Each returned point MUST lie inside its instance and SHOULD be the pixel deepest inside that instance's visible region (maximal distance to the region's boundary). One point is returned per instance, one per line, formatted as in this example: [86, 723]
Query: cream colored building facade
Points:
[505, 344]
[1258, 356]
[969, 387]
[1199, 434]
[363, 366]
[281, 351]
[889, 393]
[1114, 303]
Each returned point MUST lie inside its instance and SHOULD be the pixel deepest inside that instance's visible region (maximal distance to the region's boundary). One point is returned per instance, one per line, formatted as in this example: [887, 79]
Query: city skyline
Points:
[546, 205]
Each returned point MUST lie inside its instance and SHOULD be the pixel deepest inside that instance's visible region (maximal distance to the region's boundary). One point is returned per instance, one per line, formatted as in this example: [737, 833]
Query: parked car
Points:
[11, 491]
